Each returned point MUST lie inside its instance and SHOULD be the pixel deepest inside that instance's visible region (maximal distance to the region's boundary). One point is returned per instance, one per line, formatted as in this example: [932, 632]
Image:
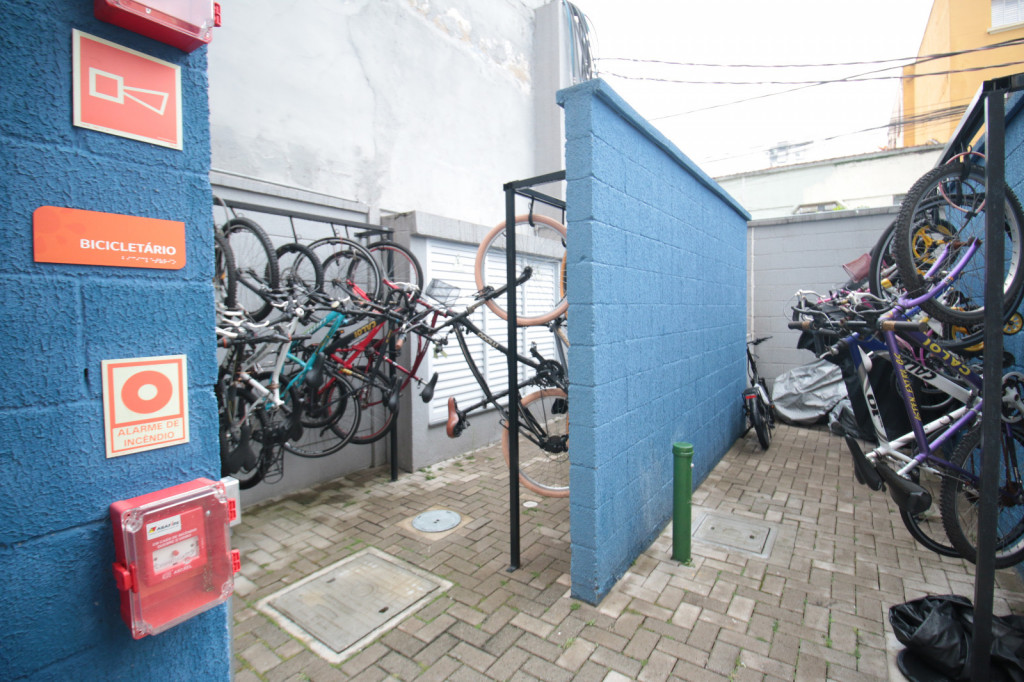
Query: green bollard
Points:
[682, 491]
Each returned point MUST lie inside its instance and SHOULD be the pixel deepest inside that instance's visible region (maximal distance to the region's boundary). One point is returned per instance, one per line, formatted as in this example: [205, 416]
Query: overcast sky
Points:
[734, 138]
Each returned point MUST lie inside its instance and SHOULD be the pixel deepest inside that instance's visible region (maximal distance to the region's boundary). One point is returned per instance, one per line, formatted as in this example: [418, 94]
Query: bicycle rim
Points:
[927, 528]
[759, 417]
[944, 210]
[255, 266]
[397, 264]
[544, 467]
[349, 269]
[377, 419]
[540, 244]
[225, 286]
[334, 418]
[301, 272]
[883, 280]
[240, 420]
[960, 498]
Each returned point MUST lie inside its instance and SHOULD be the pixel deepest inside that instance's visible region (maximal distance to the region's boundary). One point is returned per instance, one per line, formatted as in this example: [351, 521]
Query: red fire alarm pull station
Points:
[185, 24]
[174, 558]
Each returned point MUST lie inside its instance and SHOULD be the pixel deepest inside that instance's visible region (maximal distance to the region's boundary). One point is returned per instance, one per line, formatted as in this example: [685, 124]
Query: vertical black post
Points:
[513, 377]
[984, 578]
[393, 436]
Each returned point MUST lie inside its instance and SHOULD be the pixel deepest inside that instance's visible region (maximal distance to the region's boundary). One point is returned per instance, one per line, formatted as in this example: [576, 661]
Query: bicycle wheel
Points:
[960, 497]
[540, 244]
[241, 419]
[945, 210]
[927, 528]
[330, 417]
[300, 271]
[349, 269]
[759, 420]
[255, 266]
[883, 279]
[225, 286]
[397, 263]
[376, 394]
[544, 449]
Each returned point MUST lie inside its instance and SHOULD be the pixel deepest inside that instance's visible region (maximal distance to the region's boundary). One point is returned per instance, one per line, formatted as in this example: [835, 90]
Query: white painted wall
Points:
[867, 181]
[394, 104]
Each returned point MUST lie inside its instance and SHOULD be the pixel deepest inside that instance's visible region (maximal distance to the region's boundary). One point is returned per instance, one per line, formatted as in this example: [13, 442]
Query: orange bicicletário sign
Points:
[75, 236]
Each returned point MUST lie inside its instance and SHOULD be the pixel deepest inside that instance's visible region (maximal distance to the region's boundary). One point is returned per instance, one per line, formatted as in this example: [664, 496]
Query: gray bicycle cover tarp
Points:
[804, 395]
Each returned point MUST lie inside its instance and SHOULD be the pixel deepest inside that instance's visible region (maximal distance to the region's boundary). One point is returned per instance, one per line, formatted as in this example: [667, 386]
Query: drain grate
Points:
[741, 535]
[343, 607]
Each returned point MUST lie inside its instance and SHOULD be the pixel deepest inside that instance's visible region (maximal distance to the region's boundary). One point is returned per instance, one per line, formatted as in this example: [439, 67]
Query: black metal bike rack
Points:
[988, 110]
[522, 188]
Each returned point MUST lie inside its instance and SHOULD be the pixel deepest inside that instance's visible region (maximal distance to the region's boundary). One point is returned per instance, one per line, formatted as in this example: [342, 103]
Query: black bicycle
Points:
[757, 402]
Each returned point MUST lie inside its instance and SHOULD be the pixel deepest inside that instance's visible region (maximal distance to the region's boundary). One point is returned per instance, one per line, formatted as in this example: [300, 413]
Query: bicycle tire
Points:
[759, 420]
[378, 418]
[300, 271]
[240, 421]
[225, 286]
[397, 263]
[351, 272]
[883, 279]
[960, 499]
[927, 527]
[256, 268]
[543, 239]
[544, 470]
[337, 250]
[329, 434]
[944, 208]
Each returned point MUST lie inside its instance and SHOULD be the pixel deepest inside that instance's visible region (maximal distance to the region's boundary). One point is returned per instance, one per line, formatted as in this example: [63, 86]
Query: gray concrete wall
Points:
[801, 252]
[398, 105]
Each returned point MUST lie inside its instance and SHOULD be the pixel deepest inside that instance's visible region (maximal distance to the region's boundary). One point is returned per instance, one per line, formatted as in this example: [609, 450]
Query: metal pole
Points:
[513, 377]
[682, 487]
[984, 577]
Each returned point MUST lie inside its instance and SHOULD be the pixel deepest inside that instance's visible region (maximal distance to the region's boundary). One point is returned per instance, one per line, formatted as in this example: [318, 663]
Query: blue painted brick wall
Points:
[60, 606]
[657, 280]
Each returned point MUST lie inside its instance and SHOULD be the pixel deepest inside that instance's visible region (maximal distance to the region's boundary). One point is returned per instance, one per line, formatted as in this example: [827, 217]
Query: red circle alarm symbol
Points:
[134, 385]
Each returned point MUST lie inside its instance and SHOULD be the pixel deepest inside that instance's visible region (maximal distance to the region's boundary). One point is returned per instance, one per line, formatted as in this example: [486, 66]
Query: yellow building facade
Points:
[934, 104]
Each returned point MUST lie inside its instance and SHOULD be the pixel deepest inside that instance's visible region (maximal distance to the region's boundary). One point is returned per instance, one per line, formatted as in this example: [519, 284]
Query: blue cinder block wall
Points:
[657, 280]
[58, 599]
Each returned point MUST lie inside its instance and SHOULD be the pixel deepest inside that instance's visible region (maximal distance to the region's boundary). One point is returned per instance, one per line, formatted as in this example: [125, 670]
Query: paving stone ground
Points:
[815, 608]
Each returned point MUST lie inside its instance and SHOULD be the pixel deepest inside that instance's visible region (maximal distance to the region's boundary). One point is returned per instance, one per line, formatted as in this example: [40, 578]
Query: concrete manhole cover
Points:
[742, 535]
[436, 521]
[343, 607]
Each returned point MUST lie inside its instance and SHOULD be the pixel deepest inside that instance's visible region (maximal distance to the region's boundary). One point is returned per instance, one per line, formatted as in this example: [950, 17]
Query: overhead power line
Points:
[917, 59]
[859, 78]
[803, 85]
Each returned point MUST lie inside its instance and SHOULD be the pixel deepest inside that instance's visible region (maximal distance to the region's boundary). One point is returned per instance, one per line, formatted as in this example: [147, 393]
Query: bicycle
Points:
[865, 336]
[757, 403]
[543, 436]
[273, 406]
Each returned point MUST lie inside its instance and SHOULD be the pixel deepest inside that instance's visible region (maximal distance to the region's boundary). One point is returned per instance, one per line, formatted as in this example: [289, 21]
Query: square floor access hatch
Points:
[343, 607]
[744, 535]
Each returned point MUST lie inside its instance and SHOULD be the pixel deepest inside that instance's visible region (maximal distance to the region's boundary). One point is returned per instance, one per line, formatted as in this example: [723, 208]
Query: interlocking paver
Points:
[814, 609]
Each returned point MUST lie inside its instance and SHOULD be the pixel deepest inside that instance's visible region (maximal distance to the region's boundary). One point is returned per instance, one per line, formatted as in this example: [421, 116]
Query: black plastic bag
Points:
[938, 631]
